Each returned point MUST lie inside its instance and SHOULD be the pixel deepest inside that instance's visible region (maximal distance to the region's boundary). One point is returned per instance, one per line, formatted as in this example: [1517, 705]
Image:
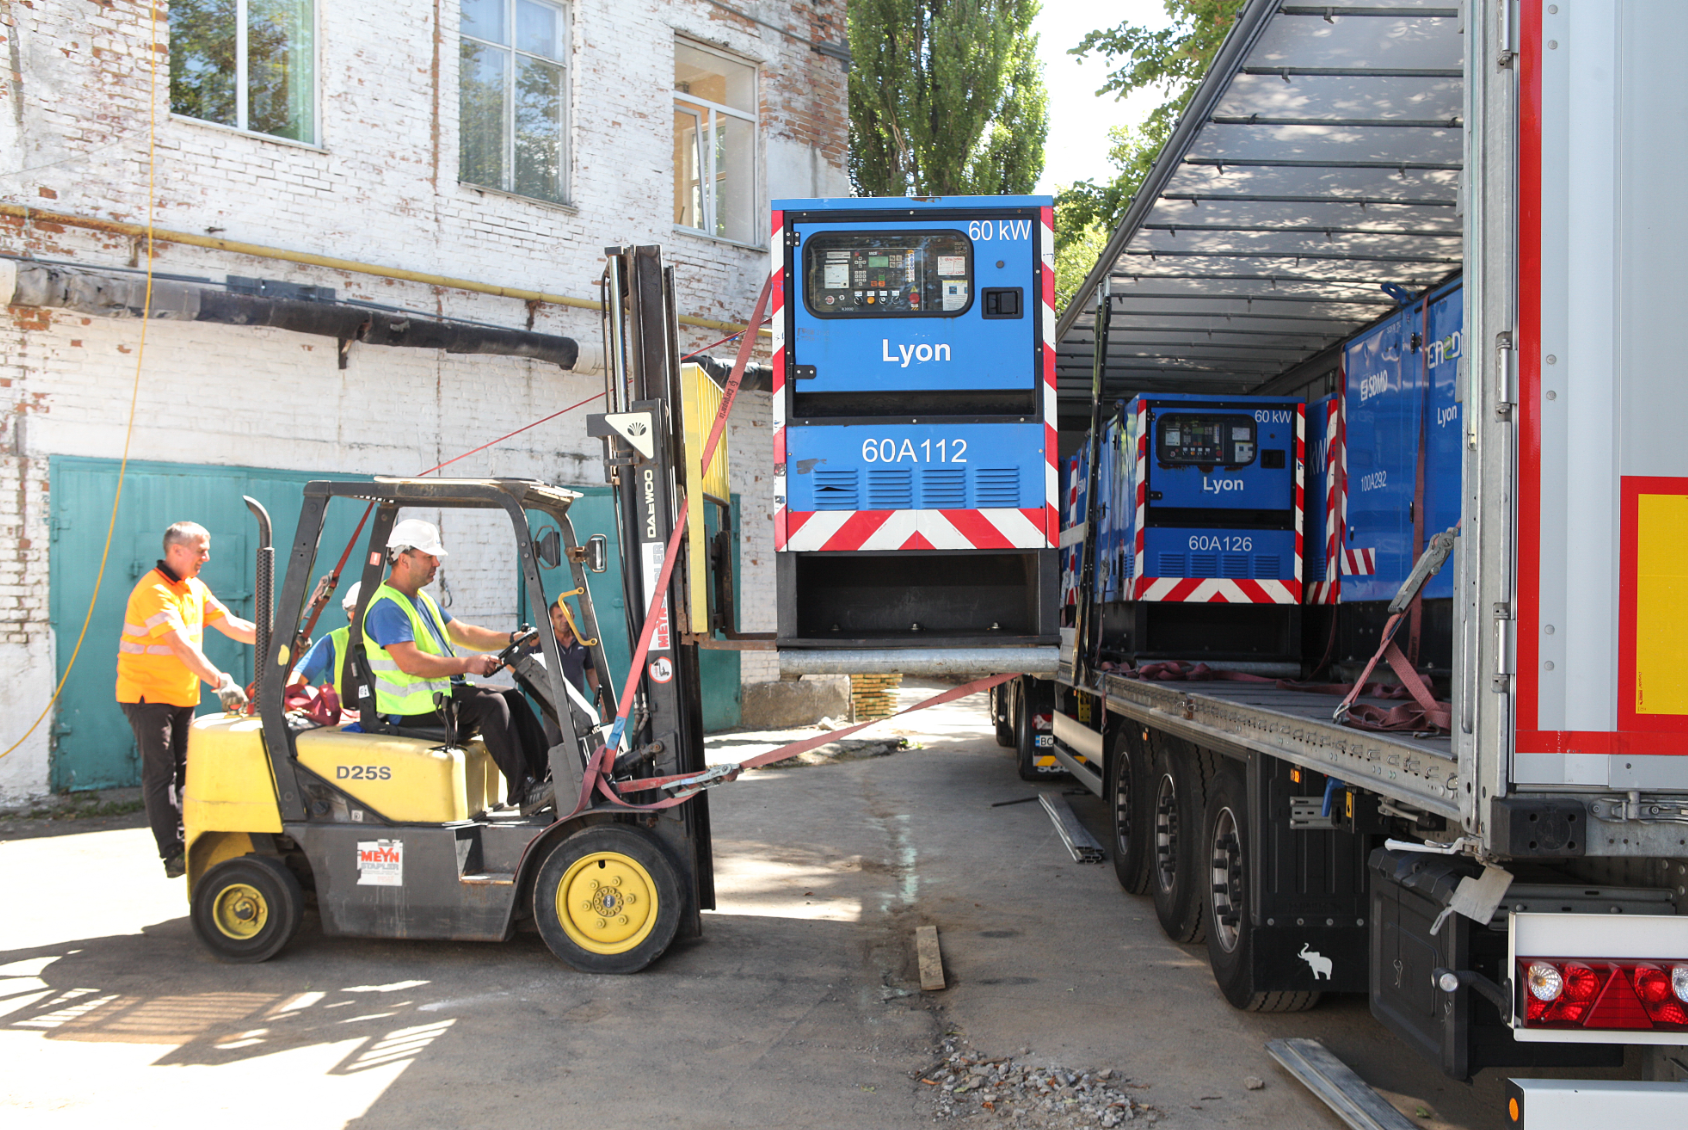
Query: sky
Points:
[1077, 148]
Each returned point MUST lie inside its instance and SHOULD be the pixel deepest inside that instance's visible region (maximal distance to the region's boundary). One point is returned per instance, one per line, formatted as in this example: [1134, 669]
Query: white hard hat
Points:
[414, 533]
[350, 600]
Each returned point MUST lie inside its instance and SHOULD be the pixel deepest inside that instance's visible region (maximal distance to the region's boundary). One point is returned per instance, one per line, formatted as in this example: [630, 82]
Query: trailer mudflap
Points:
[1461, 1031]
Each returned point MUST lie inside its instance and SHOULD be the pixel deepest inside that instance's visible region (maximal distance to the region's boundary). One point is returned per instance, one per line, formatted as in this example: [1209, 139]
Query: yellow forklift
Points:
[397, 832]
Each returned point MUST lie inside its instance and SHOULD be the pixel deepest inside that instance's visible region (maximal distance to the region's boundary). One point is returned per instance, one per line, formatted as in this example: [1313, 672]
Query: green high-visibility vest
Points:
[395, 691]
[339, 642]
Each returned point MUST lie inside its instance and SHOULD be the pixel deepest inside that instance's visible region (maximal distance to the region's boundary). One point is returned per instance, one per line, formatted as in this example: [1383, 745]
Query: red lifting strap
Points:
[1426, 713]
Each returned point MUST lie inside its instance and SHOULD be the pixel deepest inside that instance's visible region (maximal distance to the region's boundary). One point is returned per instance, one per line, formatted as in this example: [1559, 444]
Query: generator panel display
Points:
[884, 273]
[1184, 438]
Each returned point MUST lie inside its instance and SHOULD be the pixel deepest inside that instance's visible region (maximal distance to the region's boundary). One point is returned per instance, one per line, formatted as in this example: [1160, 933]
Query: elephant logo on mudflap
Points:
[1318, 962]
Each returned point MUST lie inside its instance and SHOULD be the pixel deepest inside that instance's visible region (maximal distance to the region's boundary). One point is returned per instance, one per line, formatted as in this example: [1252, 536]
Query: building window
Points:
[715, 144]
[250, 64]
[511, 85]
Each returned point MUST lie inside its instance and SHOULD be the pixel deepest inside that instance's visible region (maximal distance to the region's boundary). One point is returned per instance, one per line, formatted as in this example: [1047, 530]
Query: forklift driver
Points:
[411, 657]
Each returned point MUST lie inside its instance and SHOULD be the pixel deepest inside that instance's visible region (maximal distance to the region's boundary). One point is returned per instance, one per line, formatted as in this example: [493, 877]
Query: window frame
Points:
[685, 101]
[565, 37]
[242, 95]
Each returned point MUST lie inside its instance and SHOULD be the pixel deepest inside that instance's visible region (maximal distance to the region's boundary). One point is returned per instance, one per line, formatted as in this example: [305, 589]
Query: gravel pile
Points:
[967, 1083]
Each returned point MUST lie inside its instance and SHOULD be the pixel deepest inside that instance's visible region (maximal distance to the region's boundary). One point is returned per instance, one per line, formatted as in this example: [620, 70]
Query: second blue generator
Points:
[916, 493]
[1199, 555]
[1402, 450]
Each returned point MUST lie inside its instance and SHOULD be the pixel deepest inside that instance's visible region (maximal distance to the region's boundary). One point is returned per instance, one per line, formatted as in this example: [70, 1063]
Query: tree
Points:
[946, 97]
[1175, 59]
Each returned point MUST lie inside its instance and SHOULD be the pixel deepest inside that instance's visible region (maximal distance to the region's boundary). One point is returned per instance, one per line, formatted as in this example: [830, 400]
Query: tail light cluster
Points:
[1560, 993]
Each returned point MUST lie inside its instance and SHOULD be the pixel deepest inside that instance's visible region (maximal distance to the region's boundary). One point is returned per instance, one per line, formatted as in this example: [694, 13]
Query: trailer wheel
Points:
[1179, 800]
[245, 910]
[607, 900]
[1230, 933]
[1129, 779]
[1001, 704]
[1026, 751]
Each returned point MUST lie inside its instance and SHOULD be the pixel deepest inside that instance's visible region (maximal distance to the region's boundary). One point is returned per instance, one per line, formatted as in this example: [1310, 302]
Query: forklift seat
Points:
[402, 777]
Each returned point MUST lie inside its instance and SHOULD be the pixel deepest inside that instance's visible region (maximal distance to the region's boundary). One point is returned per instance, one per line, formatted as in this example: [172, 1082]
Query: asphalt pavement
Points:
[800, 1006]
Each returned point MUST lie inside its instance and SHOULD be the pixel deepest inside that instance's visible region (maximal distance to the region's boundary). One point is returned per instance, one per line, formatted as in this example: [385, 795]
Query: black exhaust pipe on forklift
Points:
[262, 610]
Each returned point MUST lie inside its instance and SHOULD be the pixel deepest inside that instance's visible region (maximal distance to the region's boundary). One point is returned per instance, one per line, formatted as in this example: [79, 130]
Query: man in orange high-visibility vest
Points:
[159, 668]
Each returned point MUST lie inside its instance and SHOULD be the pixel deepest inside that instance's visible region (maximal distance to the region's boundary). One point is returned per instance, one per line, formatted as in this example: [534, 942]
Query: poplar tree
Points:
[946, 97]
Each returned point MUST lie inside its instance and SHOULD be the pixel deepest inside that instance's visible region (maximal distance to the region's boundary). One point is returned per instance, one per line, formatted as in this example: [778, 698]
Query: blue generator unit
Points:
[916, 489]
[1402, 448]
[1199, 551]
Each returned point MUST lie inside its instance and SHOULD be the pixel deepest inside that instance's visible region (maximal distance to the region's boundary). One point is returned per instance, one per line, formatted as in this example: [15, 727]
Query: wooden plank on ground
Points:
[931, 959]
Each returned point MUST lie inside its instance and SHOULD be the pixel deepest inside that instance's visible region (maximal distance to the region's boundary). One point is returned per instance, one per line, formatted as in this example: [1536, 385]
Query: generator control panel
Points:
[851, 273]
[1204, 439]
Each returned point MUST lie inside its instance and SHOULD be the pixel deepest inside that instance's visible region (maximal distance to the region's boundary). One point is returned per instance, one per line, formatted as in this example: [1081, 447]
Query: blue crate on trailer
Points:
[914, 413]
[1221, 498]
[1402, 412]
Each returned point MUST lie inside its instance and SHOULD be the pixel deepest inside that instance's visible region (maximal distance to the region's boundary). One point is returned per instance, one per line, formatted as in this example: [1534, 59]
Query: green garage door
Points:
[92, 747]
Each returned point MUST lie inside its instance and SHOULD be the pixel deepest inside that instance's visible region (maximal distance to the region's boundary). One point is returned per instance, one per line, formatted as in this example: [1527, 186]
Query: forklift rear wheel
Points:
[1179, 801]
[1230, 931]
[1129, 780]
[607, 900]
[245, 910]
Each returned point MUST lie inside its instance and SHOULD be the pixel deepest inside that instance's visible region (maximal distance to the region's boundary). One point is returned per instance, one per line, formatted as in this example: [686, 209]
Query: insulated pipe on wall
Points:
[23, 283]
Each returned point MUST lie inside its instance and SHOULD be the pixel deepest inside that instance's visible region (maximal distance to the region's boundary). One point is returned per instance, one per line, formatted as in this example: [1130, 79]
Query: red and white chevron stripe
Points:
[1328, 588]
[1051, 445]
[844, 531]
[1359, 562]
[1300, 492]
[1217, 590]
[776, 322]
[1140, 479]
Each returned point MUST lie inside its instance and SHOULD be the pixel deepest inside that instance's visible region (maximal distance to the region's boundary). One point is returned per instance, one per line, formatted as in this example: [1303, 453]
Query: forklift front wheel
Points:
[245, 910]
[607, 900]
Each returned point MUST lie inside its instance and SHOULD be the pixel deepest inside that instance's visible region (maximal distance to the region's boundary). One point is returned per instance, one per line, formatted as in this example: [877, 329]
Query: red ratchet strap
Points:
[599, 764]
[690, 784]
[1426, 713]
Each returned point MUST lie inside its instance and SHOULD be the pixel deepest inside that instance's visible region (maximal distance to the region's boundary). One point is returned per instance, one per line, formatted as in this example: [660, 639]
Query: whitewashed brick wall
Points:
[381, 189]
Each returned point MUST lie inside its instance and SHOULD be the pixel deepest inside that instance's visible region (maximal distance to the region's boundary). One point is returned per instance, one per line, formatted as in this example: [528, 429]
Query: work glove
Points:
[233, 698]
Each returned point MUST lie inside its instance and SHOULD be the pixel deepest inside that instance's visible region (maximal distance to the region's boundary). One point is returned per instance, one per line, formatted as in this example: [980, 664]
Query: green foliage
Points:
[946, 97]
[1173, 59]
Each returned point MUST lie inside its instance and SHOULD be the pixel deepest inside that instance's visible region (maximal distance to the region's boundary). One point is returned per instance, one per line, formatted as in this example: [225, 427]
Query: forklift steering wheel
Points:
[523, 636]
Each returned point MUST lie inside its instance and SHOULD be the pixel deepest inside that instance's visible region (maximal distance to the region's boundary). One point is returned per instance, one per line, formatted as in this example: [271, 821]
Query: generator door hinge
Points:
[792, 238]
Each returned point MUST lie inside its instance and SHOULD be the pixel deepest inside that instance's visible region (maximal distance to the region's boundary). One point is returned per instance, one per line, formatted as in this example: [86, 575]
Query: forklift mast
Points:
[643, 460]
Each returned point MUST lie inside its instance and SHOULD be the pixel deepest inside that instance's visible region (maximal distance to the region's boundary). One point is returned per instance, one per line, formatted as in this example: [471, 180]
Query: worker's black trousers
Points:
[161, 733]
[505, 722]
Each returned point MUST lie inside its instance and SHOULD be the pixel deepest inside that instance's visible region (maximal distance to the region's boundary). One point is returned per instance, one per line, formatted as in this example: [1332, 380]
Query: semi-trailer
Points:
[1452, 235]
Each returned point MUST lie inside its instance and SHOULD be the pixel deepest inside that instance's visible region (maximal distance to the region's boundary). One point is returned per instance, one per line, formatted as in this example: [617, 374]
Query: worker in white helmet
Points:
[325, 662]
[411, 645]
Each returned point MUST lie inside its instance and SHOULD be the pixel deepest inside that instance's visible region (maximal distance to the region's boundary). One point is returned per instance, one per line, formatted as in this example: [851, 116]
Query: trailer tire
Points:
[1178, 802]
[245, 910]
[1129, 777]
[1002, 705]
[1230, 928]
[607, 899]
[1025, 740]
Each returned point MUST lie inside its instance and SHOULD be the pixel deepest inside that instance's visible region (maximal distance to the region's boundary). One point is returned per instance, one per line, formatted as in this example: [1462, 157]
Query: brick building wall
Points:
[78, 84]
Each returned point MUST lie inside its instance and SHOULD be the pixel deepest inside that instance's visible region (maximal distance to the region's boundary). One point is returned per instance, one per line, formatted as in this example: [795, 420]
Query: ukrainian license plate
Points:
[1045, 741]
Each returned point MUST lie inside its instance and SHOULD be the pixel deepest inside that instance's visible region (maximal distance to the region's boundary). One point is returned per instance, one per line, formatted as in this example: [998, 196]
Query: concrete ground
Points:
[799, 1007]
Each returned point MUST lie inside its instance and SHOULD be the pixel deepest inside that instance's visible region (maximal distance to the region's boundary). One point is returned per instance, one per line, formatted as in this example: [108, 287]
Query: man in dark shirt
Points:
[578, 667]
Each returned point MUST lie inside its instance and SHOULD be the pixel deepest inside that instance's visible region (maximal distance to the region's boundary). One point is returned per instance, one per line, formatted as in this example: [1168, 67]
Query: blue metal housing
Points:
[1221, 474]
[1403, 441]
[914, 420]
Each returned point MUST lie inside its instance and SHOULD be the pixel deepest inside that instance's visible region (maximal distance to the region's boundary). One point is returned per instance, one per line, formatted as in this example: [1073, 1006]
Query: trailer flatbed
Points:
[1240, 717]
